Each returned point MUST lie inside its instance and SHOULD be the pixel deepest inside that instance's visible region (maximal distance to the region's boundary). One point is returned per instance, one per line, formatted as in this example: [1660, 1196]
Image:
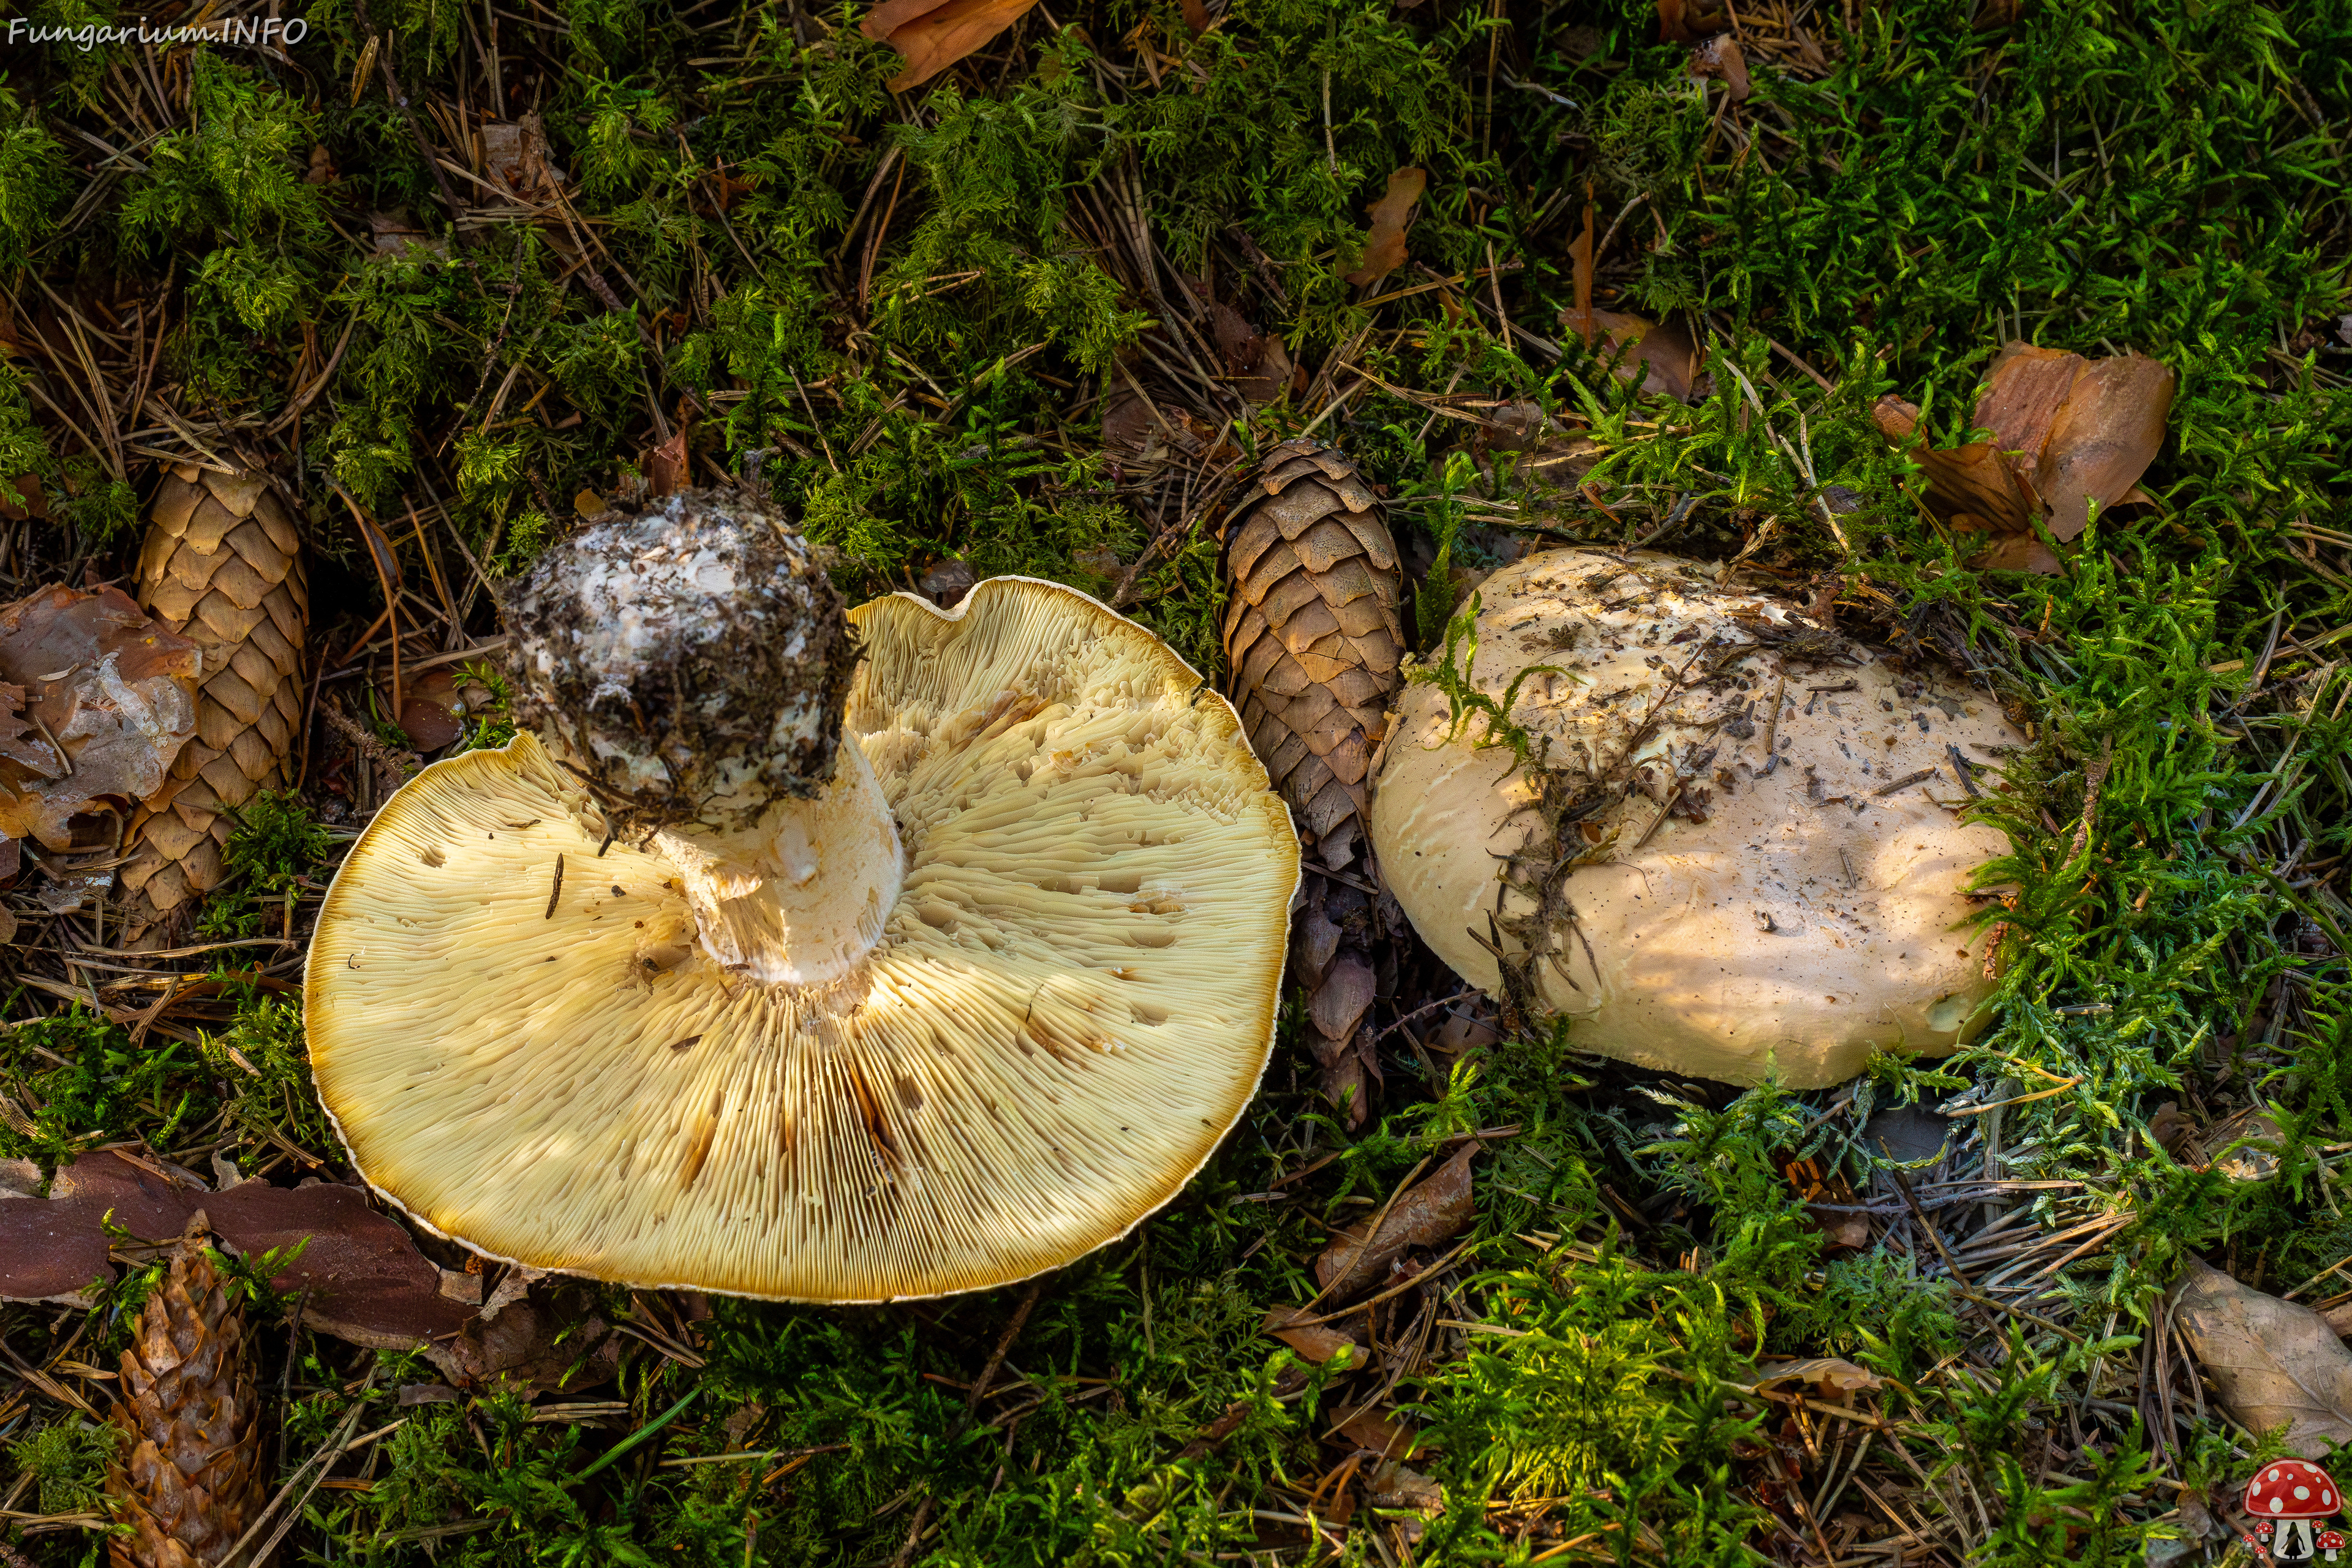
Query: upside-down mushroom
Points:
[800, 962]
[1737, 844]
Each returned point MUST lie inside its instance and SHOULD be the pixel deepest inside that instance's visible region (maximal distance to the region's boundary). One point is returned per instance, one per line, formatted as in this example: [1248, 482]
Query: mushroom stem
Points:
[692, 663]
[800, 897]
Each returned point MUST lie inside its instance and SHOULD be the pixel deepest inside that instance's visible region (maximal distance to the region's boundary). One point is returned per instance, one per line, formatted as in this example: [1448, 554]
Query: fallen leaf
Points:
[94, 676]
[366, 1281]
[431, 712]
[1687, 21]
[948, 582]
[666, 466]
[2270, 1361]
[1258, 363]
[1385, 250]
[2067, 432]
[1196, 15]
[1430, 1212]
[1384, 1435]
[554, 1346]
[2245, 1147]
[1665, 359]
[2106, 434]
[1318, 1342]
[35, 503]
[1834, 1378]
[930, 37]
[1579, 318]
[515, 154]
[1719, 57]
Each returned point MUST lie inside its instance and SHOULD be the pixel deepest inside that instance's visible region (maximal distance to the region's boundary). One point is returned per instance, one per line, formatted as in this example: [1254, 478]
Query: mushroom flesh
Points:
[1735, 847]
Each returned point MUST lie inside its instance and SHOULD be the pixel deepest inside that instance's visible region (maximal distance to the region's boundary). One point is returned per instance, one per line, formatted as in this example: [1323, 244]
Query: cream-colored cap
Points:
[1071, 1002]
[1733, 914]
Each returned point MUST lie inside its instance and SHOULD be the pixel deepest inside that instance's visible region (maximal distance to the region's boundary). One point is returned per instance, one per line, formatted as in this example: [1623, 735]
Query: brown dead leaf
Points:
[2104, 438]
[1433, 1210]
[1687, 21]
[948, 582]
[35, 504]
[1833, 1378]
[1405, 1489]
[99, 680]
[1196, 15]
[516, 156]
[1578, 318]
[365, 1280]
[1318, 1342]
[431, 712]
[1259, 363]
[555, 1345]
[1383, 1436]
[1385, 250]
[1665, 359]
[2270, 1361]
[2067, 432]
[1719, 57]
[666, 466]
[932, 37]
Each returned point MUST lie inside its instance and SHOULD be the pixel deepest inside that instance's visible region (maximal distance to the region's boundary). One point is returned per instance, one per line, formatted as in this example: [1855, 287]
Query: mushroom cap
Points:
[2293, 1489]
[1732, 916]
[1072, 1000]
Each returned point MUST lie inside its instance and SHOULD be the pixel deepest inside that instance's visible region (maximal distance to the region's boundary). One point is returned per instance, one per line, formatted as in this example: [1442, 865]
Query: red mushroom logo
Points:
[2288, 1498]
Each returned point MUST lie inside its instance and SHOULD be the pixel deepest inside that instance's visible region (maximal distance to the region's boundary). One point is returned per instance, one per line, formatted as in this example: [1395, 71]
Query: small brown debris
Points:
[1719, 57]
[1318, 1342]
[1428, 1213]
[1385, 250]
[666, 466]
[1831, 1378]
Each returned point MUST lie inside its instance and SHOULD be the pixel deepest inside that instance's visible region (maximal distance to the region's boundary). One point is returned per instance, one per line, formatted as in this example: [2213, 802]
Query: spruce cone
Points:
[222, 565]
[1312, 644]
[188, 1478]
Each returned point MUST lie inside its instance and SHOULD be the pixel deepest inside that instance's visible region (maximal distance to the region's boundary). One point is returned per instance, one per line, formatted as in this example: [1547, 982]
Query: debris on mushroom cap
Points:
[691, 660]
[96, 700]
[1070, 1001]
[1737, 847]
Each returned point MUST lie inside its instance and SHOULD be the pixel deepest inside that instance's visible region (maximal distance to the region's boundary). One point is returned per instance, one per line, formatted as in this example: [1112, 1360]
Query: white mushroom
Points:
[692, 994]
[1740, 848]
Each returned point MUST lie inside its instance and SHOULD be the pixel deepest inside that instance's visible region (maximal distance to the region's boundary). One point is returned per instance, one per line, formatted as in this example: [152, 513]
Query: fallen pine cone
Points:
[222, 565]
[1313, 643]
[188, 1476]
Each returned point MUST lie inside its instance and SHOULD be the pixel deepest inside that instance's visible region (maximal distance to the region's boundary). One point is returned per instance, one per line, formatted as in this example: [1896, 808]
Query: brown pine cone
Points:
[187, 1478]
[222, 565]
[1313, 643]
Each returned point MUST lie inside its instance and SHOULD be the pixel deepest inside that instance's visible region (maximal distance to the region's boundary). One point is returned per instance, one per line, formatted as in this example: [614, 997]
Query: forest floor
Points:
[468, 273]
